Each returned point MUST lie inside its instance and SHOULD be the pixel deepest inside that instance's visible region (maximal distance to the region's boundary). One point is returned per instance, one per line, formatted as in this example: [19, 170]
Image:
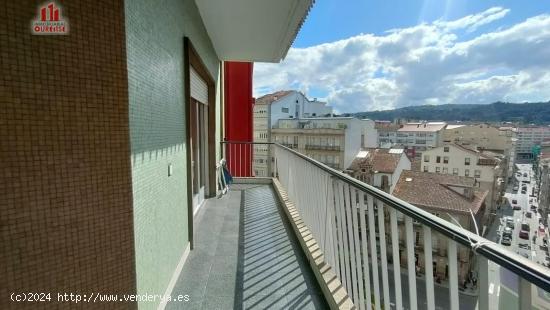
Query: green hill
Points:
[536, 112]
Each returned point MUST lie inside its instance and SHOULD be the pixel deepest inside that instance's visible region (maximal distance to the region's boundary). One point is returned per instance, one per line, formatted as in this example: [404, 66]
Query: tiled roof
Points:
[467, 149]
[269, 98]
[380, 160]
[486, 158]
[386, 126]
[424, 127]
[433, 191]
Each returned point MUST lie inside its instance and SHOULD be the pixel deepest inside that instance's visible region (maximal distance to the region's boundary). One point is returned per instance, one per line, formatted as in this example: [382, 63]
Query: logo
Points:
[49, 21]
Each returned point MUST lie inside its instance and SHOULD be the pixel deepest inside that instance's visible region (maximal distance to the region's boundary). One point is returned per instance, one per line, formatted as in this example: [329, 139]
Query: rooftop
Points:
[454, 126]
[381, 160]
[386, 126]
[269, 98]
[435, 191]
[425, 127]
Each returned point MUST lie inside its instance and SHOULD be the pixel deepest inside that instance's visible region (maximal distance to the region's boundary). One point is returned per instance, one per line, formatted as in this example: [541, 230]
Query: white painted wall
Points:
[370, 134]
[404, 164]
[298, 107]
[353, 139]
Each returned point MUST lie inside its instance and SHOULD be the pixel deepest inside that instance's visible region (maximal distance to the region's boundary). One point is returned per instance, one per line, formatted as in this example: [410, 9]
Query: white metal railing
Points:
[358, 228]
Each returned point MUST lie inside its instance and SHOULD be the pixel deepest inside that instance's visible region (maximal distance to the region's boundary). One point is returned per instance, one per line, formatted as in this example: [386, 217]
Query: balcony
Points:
[290, 145]
[350, 234]
[246, 256]
[323, 147]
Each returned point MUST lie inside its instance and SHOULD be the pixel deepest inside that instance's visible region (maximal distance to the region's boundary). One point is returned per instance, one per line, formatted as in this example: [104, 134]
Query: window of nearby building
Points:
[455, 171]
[426, 158]
[446, 160]
[477, 173]
[445, 170]
[446, 149]
[284, 110]
[425, 168]
[467, 172]
[467, 161]
[437, 169]
[438, 159]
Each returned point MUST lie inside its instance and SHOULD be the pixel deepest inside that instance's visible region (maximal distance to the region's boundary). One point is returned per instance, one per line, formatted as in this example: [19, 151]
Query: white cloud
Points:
[425, 64]
[472, 22]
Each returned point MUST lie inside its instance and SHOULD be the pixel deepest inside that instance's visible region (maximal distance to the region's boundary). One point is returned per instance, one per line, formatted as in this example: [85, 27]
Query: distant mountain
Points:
[536, 112]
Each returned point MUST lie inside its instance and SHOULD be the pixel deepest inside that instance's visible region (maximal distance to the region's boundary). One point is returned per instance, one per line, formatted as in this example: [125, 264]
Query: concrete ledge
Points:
[333, 290]
[251, 180]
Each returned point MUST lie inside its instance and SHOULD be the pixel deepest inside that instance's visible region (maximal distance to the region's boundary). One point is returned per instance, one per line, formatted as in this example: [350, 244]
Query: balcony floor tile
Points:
[246, 256]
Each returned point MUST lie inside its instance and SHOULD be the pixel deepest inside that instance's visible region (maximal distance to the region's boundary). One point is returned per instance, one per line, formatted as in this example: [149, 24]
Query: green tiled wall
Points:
[154, 44]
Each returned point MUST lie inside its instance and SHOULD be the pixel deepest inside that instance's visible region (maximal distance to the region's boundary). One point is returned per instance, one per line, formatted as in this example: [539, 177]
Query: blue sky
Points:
[332, 20]
[368, 55]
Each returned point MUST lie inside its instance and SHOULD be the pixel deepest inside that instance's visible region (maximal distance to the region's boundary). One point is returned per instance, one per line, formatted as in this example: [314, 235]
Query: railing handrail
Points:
[521, 266]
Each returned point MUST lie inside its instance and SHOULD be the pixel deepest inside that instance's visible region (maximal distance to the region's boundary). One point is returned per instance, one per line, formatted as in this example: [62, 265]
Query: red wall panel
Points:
[238, 116]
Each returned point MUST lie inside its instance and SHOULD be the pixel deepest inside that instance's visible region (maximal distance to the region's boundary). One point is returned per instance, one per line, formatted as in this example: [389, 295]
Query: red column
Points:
[238, 116]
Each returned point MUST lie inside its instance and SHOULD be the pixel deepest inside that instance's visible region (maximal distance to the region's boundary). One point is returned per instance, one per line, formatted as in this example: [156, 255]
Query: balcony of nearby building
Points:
[323, 147]
[368, 242]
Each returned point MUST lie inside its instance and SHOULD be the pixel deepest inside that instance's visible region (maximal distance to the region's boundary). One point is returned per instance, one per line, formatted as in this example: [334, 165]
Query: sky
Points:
[364, 55]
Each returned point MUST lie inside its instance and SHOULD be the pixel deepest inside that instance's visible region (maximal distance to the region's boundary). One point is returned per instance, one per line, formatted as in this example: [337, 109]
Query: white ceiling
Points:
[253, 30]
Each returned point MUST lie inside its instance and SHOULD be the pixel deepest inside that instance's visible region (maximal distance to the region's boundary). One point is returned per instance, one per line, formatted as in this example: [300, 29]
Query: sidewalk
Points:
[443, 284]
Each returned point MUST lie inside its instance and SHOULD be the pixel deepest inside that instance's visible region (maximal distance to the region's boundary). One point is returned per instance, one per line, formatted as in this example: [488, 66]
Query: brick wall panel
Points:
[66, 222]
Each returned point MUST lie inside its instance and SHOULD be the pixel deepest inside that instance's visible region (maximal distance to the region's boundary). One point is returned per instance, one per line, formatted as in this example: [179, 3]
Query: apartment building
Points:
[387, 133]
[454, 159]
[528, 137]
[333, 141]
[379, 167]
[451, 198]
[420, 136]
[268, 109]
[485, 137]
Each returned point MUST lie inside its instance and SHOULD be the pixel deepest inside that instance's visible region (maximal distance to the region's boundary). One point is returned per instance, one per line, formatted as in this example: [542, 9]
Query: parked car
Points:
[507, 232]
[529, 215]
[516, 207]
[514, 201]
[510, 222]
[507, 241]
[541, 228]
[533, 208]
[524, 232]
[524, 175]
[515, 189]
[524, 246]
[523, 191]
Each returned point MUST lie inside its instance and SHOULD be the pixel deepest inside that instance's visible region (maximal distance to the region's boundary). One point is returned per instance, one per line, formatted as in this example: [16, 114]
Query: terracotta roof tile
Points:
[379, 159]
[434, 191]
[269, 98]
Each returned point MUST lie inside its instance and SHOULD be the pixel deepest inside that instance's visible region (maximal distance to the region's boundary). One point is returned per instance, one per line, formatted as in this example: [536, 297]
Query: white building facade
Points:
[460, 161]
[333, 141]
[268, 110]
[528, 137]
[421, 136]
